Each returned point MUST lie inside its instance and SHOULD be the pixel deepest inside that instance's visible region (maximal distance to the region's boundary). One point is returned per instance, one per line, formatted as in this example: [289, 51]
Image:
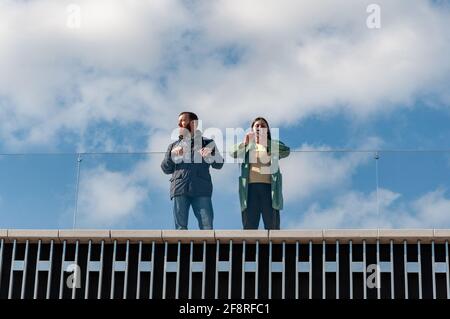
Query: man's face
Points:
[184, 123]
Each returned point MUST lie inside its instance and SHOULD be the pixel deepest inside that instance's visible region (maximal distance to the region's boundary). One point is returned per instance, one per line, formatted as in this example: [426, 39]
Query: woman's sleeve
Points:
[282, 149]
[238, 150]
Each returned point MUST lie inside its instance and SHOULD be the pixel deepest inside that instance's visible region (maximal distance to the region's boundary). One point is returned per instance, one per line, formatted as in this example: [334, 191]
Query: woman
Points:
[260, 190]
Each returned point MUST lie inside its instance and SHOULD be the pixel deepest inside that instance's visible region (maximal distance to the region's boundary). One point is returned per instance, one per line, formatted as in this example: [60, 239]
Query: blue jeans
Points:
[202, 207]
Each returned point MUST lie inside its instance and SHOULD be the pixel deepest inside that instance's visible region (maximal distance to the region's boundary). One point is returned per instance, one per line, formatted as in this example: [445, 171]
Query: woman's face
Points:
[260, 128]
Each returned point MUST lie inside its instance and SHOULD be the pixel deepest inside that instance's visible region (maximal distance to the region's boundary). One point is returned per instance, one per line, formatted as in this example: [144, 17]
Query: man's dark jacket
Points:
[192, 178]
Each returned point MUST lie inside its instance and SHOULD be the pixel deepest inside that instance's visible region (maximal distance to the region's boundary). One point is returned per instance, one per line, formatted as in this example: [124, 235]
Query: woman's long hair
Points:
[269, 137]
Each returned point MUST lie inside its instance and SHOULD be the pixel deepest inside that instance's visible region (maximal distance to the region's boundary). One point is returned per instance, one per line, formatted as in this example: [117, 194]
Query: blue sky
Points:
[117, 81]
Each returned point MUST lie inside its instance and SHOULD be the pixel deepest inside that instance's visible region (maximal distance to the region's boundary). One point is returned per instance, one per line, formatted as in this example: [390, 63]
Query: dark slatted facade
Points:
[261, 268]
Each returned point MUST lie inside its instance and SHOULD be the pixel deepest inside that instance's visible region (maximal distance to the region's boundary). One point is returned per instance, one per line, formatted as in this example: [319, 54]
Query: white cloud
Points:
[108, 198]
[317, 169]
[304, 57]
[359, 210]
[135, 61]
[56, 78]
[144, 61]
[351, 210]
[432, 210]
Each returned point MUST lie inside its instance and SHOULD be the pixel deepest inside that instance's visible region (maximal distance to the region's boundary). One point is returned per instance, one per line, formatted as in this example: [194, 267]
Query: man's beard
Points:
[183, 131]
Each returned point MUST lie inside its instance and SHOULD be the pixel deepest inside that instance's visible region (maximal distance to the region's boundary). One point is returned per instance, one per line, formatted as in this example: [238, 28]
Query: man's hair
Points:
[259, 118]
[192, 115]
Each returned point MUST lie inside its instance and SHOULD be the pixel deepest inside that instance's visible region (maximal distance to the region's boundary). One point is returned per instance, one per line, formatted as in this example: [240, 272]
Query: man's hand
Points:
[205, 151]
[177, 151]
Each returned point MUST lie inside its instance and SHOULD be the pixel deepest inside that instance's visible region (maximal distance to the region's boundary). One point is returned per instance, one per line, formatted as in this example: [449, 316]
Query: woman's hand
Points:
[249, 137]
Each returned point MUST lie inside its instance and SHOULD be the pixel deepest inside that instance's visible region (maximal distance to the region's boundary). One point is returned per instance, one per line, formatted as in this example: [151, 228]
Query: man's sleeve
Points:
[167, 165]
[218, 159]
[215, 159]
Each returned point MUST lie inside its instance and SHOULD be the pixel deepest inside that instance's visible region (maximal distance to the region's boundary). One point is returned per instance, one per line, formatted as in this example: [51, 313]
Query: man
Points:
[188, 160]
